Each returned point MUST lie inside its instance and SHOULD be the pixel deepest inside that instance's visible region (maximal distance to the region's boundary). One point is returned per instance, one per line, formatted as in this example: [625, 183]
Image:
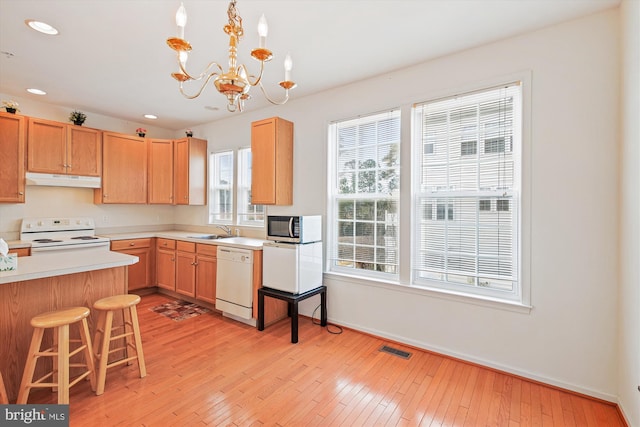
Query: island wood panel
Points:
[21, 301]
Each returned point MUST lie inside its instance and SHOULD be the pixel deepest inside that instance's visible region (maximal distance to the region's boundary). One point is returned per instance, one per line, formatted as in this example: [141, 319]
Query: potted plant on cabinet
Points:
[11, 106]
[141, 132]
[77, 117]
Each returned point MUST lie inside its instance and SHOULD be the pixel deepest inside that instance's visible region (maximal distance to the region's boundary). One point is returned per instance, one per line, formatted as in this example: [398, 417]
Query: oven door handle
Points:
[78, 246]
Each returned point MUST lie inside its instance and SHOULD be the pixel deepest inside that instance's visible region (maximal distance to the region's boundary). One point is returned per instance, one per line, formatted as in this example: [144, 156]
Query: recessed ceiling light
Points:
[150, 116]
[42, 27]
[36, 91]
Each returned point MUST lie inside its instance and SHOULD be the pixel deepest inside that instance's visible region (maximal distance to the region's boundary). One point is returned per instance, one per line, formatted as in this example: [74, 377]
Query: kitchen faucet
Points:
[226, 228]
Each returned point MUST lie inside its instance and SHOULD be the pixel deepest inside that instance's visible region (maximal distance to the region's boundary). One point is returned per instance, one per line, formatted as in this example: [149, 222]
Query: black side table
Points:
[292, 300]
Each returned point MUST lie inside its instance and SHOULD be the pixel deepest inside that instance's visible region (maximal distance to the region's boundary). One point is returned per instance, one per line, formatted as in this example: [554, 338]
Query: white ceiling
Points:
[111, 57]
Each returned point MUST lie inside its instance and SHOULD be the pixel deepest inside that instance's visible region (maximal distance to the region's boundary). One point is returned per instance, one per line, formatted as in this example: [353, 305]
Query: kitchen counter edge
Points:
[58, 264]
[236, 242]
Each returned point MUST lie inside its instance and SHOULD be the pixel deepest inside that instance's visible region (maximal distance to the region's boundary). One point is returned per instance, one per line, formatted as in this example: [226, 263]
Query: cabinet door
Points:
[84, 151]
[190, 172]
[161, 171]
[186, 273]
[272, 162]
[124, 170]
[12, 159]
[46, 146]
[166, 269]
[206, 268]
[140, 272]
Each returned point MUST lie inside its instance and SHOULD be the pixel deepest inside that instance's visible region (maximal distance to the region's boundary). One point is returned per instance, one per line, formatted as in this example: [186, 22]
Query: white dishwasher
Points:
[234, 282]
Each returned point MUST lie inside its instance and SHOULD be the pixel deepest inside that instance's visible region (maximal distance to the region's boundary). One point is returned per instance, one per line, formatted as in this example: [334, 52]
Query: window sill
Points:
[433, 292]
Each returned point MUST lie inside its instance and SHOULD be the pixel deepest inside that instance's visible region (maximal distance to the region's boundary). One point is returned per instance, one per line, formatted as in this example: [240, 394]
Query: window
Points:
[221, 188]
[468, 252]
[222, 205]
[364, 194]
[248, 214]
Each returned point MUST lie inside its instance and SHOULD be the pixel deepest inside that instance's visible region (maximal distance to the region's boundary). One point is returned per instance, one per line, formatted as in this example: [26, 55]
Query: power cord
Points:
[336, 331]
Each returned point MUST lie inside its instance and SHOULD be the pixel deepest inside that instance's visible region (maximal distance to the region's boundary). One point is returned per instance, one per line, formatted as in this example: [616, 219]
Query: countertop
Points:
[58, 264]
[238, 242]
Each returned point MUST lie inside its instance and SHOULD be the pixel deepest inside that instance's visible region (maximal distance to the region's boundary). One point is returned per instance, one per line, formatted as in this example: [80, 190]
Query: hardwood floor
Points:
[210, 370]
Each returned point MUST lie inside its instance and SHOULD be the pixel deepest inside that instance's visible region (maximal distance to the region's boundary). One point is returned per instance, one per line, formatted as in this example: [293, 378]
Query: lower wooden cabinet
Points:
[140, 274]
[206, 269]
[166, 263]
[21, 251]
[186, 268]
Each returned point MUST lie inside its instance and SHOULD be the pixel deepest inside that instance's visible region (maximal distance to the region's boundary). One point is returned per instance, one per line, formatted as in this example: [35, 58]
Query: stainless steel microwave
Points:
[294, 229]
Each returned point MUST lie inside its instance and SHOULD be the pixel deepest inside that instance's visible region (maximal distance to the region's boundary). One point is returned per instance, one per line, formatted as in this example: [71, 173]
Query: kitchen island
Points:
[48, 282]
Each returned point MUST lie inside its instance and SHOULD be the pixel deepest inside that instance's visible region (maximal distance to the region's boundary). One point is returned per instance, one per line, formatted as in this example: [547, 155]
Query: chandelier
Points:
[236, 82]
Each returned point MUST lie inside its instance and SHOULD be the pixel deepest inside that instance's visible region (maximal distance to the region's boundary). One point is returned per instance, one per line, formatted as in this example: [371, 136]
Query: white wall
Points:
[570, 336]
[629, 296]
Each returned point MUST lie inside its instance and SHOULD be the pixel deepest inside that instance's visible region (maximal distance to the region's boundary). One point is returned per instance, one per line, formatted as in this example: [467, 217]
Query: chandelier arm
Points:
[186, 95]
[202, 74]
[258, 79]
[266, 95]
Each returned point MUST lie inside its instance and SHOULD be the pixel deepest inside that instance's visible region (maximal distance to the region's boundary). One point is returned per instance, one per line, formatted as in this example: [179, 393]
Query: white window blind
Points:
[467, 169]
[221, 187]
[364, 194]
[248, 214]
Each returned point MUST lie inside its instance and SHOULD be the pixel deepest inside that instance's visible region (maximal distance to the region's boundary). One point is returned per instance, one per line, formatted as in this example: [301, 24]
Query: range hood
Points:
[59, 180]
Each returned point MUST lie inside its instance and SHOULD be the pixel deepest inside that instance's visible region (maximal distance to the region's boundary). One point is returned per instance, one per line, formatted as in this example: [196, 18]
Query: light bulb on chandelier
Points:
[236, 82]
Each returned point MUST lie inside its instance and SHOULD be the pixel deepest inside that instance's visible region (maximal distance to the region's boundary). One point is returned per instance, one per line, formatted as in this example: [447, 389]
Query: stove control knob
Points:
[40, 223]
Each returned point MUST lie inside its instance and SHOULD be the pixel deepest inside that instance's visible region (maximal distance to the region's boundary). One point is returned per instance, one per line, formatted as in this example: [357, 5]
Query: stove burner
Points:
[85, 238]
[47, 241]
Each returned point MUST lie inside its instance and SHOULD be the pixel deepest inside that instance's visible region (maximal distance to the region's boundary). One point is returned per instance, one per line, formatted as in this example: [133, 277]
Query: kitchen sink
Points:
[206, 236]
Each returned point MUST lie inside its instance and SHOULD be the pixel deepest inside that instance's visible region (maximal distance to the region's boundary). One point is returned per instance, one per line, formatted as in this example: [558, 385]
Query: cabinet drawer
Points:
[118, 245]
[166, 243]
[211, 250]
[185, 246]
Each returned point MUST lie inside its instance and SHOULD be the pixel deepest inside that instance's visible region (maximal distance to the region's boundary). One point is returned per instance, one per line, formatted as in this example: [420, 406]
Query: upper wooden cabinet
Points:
[124, 170]
[272, 162]
[61, 148]
[190, 171]
[178, 171]
[161, 171]
[12, 158]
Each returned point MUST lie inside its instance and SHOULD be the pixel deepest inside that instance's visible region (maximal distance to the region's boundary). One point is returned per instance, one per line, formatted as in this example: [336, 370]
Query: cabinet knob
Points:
[132, 244]
[21, 193]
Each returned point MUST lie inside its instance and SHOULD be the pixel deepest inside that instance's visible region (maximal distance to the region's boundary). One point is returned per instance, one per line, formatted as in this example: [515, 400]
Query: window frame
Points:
[335, 197]
[520, 293]
[214, 175]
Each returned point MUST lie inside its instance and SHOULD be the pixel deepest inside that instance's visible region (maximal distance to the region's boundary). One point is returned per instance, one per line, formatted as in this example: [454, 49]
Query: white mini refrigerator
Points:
[291, 267]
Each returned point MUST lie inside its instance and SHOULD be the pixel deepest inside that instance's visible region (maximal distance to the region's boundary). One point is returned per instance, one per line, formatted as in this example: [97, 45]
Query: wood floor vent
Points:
[395, 351]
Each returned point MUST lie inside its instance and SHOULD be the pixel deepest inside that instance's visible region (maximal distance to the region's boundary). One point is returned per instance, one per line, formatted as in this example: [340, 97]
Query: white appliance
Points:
[62, 234]
[62, 180]
[294, 229]
[234, 282]
[291, 267]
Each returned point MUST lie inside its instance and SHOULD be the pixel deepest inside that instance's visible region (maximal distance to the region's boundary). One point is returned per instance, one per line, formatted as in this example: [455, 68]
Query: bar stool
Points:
[4, 398]
[104, 335]
[60, 353]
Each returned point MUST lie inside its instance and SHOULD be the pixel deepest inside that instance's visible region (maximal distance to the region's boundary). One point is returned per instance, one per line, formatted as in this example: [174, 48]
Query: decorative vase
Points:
[10, 110]
[189, 134]
[141, 135]
[78, 122]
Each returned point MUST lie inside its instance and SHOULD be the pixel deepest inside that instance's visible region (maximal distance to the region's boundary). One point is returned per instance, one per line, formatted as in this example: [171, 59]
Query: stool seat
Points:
[59, 321]
[116, 302]
[66, 316]
[104, 336]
